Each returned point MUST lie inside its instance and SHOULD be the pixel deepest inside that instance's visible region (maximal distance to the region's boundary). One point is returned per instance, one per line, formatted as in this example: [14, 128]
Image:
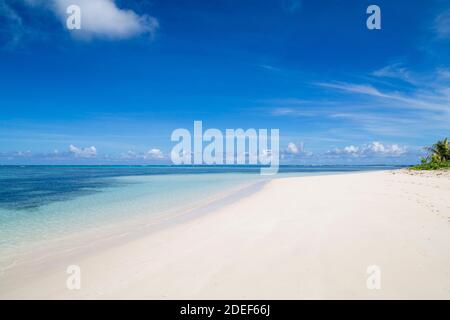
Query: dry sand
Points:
[296, 238]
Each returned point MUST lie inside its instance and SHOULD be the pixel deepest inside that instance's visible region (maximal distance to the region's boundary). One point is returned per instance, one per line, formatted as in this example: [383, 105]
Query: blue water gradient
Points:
[29, 187]
[44, 203]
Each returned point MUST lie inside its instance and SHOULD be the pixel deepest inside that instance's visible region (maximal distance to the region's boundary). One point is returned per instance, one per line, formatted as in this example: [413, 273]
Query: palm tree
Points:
[440, 151]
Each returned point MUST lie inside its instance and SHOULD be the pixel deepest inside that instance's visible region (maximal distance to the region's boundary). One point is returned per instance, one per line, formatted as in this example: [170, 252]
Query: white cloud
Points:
[83, 152]
[295, 151]
[292, 148]
[154, 154]
[103, 18]
[351, 149]
[372, 149]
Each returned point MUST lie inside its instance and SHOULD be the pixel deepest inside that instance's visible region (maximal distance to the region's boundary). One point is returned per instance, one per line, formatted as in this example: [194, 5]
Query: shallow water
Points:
[41, 203]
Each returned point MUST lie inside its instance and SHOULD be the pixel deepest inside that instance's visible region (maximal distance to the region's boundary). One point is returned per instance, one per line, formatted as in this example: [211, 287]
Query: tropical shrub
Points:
[438, 157]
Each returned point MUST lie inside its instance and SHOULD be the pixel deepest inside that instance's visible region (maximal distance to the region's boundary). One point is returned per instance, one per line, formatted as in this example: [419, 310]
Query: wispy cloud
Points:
[269, 67]
[291, 112]
[295, 107]
[13, 28]
[395, 71]
[443, 73]
[442, 25]
[436, 100]
[291, 6]
[380, 109]
[354, 88]
[385, 124]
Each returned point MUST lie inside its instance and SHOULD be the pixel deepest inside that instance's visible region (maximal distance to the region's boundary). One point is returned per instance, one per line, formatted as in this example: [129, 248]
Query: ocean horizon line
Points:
[205, 166]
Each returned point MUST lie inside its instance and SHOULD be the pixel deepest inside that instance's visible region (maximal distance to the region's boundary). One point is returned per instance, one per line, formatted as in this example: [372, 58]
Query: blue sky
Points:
[114, 91]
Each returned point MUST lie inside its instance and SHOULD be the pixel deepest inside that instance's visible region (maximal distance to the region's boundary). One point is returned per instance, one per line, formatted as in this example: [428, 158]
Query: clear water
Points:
[40, 203]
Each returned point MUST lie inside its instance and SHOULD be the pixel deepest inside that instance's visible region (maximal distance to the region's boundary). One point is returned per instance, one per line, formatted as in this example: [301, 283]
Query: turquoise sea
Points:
[43, 203]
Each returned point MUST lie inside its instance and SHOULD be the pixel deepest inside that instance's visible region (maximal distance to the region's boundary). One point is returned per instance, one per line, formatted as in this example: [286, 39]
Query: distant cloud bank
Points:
[372, 149]
[83, 152]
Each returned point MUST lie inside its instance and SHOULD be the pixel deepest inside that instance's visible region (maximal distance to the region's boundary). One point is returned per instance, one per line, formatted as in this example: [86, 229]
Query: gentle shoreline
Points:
[116, 233]
[294, 238]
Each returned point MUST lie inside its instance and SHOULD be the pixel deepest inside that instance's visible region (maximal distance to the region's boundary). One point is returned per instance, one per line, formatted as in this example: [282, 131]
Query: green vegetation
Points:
[438, 157]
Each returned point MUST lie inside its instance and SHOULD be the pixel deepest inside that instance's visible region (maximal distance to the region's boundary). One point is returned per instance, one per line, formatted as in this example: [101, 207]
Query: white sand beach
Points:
[295, 238]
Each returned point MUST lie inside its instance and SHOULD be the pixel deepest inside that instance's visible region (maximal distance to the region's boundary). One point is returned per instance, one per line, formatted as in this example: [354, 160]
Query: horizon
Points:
[112, 92]
[202, 165]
